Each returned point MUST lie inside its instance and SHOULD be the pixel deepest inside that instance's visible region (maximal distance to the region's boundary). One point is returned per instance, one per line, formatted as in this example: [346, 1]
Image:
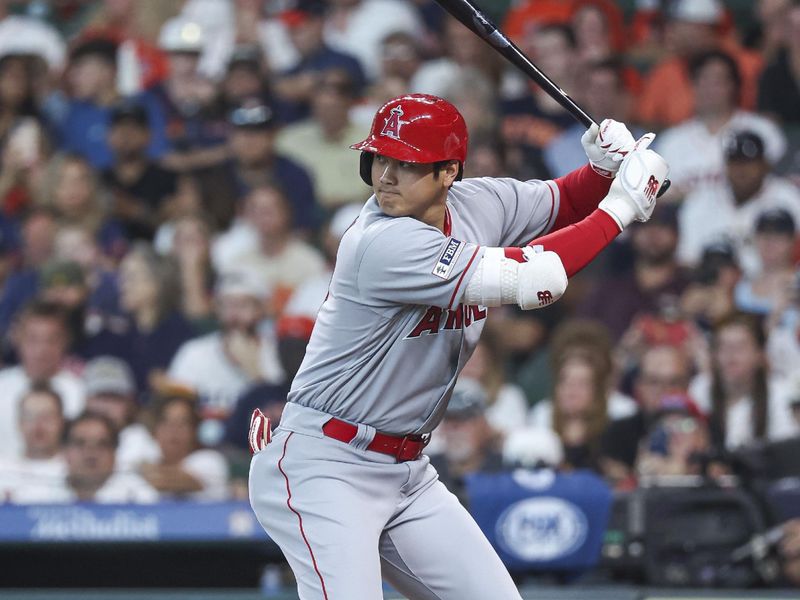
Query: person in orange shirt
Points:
[693, 28]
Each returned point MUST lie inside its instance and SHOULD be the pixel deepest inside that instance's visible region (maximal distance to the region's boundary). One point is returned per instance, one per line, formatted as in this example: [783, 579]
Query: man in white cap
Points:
[219, 366]
[111, 391]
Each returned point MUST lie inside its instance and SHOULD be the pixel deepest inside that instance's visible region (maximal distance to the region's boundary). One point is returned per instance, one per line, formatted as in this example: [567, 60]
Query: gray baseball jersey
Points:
[392, 335]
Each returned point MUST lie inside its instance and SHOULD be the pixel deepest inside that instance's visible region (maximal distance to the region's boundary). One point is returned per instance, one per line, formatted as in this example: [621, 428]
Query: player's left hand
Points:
[607, 145]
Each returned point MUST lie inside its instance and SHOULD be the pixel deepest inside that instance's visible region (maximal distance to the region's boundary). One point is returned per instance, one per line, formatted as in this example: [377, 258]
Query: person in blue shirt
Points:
[255, 162]
[81, 122]
[295, 87]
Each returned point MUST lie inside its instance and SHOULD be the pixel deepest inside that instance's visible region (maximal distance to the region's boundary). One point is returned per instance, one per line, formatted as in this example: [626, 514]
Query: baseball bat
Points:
[474, 19]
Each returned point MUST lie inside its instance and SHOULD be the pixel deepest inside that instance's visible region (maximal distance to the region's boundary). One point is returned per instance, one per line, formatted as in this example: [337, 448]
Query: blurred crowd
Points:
[175, 177]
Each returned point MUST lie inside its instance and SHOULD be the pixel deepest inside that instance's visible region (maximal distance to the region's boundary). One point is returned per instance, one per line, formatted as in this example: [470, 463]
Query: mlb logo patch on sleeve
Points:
[448, 258]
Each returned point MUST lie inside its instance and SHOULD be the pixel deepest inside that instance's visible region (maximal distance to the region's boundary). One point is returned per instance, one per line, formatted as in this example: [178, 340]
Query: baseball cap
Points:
[58, 273]
[776, 220]
[108, 375]
[129, 110]
[708, 12]
[302, 11]
[252, 113]
[242, 281]
[678, 404]
[743, 145]
[716, 256]
[102, 48]
[181, 35]
[246, 55]
[468, 400]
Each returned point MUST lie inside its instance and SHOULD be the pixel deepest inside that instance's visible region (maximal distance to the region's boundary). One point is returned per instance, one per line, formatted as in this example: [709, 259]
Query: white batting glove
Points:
[606, 145]
[260, 432]
[633, 193]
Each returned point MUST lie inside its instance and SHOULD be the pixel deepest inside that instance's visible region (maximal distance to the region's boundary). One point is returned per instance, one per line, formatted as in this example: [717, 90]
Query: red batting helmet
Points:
[417, 128]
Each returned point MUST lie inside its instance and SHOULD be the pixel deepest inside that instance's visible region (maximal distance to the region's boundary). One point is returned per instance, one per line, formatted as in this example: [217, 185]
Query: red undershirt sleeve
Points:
[580, 191]
[576, 244]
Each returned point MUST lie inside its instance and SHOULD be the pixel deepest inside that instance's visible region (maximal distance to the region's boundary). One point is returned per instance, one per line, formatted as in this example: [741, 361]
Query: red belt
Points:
[404, 448]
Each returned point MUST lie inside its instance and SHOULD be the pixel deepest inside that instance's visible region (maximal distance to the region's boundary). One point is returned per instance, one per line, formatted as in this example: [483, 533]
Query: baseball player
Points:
[343, 487]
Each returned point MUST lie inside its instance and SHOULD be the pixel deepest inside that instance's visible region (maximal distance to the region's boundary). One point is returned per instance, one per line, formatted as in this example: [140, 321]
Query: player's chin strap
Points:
[365, 168]
[528, 277]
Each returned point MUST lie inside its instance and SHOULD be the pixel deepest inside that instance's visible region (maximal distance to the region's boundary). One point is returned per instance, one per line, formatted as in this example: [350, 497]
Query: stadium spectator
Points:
[111, 392]
[22, 135]
[650, 289]
[356, 27]
[245, 79]
[280, 257]
[533, 119]
[768, 291]
[779, 87]
[41, 338]
[191, 248]
[468, 443]
[694, 148]
[400, 56]
[219, 366]
[89, 447]
[693, 28]
[195, 130]
[29, 36]
[727, 211]
[582, 399]
[743, 401]
[152, 328]
[321, 142]
[467, 58]
[602, 86]
[184, 470]
[297, 87]
[41, 426]
[663, 371]
[132, 26]
[143, 192]
[75, 246]
[599, 28]
[506, 405]
[78, 201]
[708, 299]
[256, 162]
[81, 123]
[677, 442]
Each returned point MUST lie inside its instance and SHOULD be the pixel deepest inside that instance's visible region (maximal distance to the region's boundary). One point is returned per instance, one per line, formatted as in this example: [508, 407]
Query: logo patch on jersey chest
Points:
[448, 258]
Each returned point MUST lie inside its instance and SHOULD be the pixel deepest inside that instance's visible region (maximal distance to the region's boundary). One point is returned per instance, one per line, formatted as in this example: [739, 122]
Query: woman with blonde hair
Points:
[74, 194]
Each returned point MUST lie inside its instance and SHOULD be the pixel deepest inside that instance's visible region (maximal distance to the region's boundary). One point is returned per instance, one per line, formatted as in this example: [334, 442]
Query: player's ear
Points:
[451, 172]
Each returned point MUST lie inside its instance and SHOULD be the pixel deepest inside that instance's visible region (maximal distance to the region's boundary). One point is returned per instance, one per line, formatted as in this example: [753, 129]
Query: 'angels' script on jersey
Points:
[436, 318]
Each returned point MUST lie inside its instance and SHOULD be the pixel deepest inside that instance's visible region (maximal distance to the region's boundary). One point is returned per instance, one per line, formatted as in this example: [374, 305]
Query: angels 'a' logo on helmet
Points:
[392, 123]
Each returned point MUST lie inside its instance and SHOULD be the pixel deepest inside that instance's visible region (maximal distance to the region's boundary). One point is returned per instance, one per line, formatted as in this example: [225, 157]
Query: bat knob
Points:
[664, 187]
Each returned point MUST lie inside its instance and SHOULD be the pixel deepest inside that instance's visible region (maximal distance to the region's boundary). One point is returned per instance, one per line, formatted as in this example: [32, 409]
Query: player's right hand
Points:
[260, 433]
[633, 193]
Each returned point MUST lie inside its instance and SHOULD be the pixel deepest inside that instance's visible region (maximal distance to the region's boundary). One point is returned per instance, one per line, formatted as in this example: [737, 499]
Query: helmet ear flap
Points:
[365, 167]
